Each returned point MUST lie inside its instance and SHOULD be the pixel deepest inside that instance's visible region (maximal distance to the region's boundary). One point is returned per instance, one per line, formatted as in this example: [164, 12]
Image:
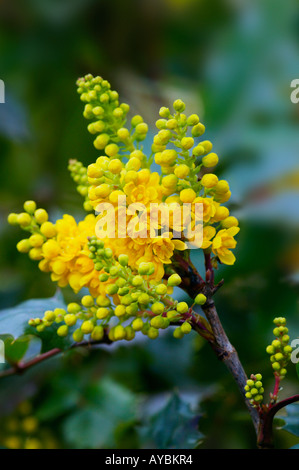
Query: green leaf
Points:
[109, 406]
[297, 369]
[14, 325]
[292, 419]
[175, 426]
[15, 349]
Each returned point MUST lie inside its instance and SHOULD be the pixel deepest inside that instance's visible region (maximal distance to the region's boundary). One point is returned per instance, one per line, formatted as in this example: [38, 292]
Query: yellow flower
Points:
[222, 244]
[146, 191]
[159, 251]
[209, 207]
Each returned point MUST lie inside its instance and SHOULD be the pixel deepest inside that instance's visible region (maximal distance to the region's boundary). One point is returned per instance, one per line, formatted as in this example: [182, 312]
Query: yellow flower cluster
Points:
[148, 208]
[124, 172]
[60, 247]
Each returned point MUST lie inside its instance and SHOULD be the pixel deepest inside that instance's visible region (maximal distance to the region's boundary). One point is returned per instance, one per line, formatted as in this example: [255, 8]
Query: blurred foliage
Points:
[232, 62]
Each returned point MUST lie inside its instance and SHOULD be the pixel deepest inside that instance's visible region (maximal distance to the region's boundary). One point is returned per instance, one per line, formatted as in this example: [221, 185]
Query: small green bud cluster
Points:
[182, 330]
[280, 350]
[79, 176]
[254, 390]
[137, 302]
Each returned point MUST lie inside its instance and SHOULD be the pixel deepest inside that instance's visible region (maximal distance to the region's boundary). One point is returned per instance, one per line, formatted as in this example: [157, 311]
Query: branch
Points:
[219, 341]
[265, 431]
[229, 356]
[21, 367]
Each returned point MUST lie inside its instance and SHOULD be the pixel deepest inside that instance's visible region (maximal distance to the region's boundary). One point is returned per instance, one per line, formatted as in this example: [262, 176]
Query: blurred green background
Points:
[232, 62]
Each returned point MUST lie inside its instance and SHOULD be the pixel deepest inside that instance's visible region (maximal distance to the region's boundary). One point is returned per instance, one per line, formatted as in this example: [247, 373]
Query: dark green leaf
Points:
[175, 426]
[15, 349]
[109, 406]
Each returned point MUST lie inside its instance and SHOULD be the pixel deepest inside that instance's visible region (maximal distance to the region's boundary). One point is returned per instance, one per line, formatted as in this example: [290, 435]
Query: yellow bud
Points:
[119, 333]
[143, 176]
[158, 158]
[182, 171]
[87, 301]
[78, 336]
[102, 312]
[137, 154]
[137, 324]
[49, 315]
[70, 319]
[51, 249]
[179, 106]
[123, 134]
[120, 310]
[24, 246]
[187, 195]
[30, 207]
[93, 171]
[36, 240]
[36, 254]
[133, 164]
[209, 180]
[187, 143]
[97, 333]
[113, 197]
[48, 229]
[41, 216]
[224, 197]
[170, 181]
[58, 267]
[222, 187]
[63, 330]
[207, 145]
[103, 190]
[111, 150]
[221, 213]
[101, 141]
[230, 222]
[168, 157]
[210, 160]
[87, 327]
[24, 219]
[12, 219]
[136, 120]
[141, 128]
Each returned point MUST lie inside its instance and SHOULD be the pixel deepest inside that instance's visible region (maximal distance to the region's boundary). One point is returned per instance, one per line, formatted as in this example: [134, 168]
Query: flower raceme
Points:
[154, 214]
[280, 356]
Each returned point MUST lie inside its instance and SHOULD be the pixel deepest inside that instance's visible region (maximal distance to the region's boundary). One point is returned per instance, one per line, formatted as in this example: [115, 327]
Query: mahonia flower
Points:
[124, 272]
[223, 242]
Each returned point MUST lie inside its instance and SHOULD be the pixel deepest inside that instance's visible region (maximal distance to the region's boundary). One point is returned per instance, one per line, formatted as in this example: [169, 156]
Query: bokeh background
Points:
[232, 62]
